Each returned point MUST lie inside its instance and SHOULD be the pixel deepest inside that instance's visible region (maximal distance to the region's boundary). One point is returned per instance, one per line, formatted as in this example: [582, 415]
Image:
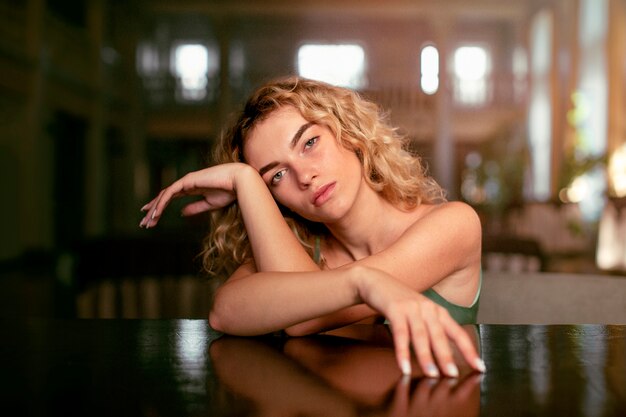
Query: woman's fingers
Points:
[183, 186]
[147, 209]
[430, 333]
[422, 343]
[400, 332]
[409, 329]
[464, 343]
[214, 184]
[154, 208]
[440, 343]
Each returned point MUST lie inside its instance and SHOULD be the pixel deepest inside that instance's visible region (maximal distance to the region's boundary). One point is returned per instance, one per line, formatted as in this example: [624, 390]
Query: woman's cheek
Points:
[281, 199]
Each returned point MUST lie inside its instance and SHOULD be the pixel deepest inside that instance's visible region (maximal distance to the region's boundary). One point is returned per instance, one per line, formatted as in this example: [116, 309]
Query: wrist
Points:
[357, 278]
[245, 174]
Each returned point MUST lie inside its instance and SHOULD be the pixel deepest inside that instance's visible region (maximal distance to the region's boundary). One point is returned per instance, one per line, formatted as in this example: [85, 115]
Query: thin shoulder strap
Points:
[317, 251]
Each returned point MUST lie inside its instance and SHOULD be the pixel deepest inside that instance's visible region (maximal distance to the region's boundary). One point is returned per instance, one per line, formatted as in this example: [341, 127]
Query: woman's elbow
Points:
[219, 316]
[221, 313]
[215, 322]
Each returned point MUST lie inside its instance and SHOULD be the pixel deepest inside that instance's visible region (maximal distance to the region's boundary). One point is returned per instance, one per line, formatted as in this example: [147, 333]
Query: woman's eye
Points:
[311, 142]
[277, 177]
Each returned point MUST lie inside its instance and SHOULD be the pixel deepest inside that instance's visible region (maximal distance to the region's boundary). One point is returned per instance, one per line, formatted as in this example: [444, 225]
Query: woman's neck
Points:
[371, 225]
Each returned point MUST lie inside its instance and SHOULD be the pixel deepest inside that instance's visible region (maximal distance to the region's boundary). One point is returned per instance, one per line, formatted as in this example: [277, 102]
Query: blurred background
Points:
[516, 106]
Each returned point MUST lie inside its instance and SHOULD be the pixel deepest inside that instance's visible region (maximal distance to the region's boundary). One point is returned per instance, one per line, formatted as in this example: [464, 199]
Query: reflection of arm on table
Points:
[275, 384]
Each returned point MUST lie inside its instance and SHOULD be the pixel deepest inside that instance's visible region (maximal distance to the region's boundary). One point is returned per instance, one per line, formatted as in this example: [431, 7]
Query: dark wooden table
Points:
[183, 368]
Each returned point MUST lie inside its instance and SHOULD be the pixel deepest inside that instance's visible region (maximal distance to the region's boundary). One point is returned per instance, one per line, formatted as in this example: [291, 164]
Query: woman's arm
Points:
[265, 290]
[265, 302]
[444, 243]
[274, 246]
[268, 301]
[441, 250]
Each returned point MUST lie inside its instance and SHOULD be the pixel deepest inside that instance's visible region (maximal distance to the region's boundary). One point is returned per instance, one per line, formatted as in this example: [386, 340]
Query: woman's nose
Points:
[305, 176]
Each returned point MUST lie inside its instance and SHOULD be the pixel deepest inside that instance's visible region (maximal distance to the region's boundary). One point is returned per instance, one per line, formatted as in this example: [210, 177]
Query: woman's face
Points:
[304, 167]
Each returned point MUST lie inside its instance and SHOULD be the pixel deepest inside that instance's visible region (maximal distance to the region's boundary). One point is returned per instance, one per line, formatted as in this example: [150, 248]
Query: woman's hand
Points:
[418, 322]
[216, 185]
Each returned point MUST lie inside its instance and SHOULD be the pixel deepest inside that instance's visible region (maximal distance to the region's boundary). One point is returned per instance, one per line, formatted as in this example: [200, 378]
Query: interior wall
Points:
[48, 64]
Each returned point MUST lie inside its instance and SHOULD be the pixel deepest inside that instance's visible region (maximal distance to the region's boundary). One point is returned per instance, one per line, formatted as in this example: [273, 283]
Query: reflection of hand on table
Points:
[360, 361]
[345, 372]
[436, 397]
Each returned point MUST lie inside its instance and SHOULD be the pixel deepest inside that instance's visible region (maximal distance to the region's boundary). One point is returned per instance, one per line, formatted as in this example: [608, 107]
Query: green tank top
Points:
[463, 315]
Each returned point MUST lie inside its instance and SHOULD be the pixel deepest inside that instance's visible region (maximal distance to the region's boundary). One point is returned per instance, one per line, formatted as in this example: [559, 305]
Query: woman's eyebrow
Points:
[299, 133]
[267, 167]
[292, 144]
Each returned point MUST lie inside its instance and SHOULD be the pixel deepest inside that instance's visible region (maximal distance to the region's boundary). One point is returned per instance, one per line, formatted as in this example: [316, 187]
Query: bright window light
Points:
[540, 110]
[429, 68]
[471, 69]
[192, 65]
[470, 63]
[342, 65]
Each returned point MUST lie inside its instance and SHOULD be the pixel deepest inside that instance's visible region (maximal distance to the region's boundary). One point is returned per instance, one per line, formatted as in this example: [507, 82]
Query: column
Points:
[444, 146]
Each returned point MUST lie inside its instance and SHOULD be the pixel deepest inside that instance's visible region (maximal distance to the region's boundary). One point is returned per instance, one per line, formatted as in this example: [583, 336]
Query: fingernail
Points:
[405, 366]
[480, 365]
[143, 208]
[153, 214]
[432, 371]
[142, 222]
[452, 370]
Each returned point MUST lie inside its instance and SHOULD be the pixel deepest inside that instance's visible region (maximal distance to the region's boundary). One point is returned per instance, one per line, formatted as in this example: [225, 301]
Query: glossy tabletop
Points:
[183, 368]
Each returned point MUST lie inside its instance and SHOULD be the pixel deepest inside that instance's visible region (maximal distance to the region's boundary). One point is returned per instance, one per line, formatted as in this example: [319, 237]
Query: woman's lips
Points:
[323, 194]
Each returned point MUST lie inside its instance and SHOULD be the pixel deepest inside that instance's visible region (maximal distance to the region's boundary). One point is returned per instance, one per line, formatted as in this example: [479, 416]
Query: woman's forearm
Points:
[270, 301]
[274, 246]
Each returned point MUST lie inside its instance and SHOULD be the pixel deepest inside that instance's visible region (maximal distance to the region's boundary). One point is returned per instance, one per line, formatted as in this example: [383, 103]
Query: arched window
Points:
[429, 69]
[472, 68]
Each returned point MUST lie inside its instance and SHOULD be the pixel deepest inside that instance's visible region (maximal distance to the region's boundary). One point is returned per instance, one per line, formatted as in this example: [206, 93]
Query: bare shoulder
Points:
[456, 214]
[455, 225]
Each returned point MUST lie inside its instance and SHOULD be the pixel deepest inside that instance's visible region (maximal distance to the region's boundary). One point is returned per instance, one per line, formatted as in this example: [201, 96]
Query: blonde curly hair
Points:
[358, 124]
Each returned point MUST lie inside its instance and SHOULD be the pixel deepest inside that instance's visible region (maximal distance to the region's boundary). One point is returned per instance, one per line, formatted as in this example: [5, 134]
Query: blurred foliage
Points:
[493, 182]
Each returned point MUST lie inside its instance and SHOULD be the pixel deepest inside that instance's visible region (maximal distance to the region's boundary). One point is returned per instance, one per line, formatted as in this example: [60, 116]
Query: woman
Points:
[322, 218]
